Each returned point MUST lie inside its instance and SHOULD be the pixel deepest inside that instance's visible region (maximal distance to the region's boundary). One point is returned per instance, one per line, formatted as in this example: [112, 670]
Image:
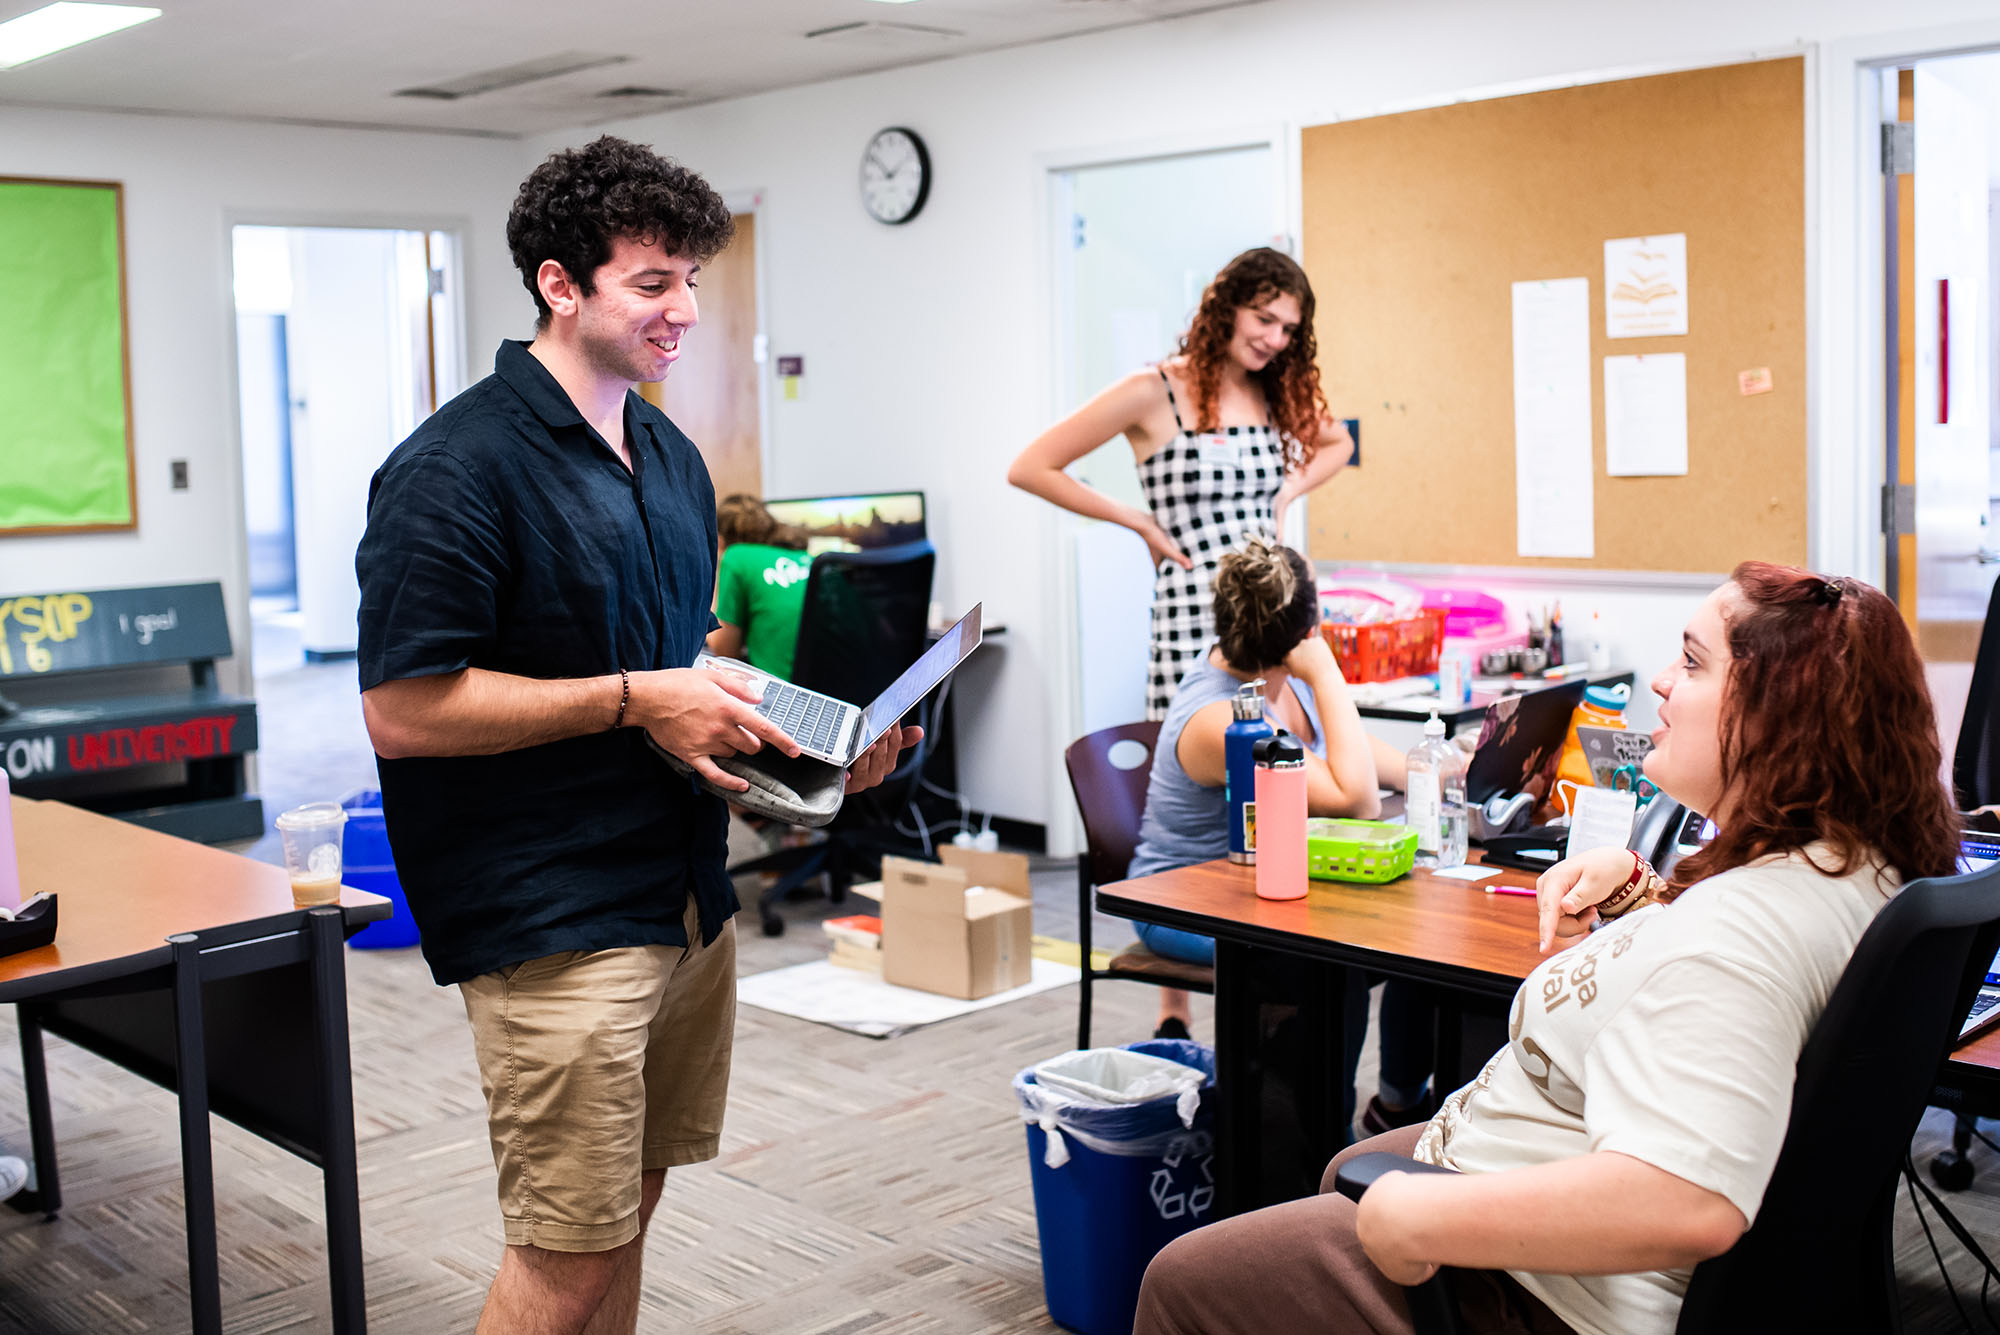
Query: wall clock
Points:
[895, 175]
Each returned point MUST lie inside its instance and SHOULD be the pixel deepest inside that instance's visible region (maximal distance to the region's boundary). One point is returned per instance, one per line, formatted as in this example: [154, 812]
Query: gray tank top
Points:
[1185, 822]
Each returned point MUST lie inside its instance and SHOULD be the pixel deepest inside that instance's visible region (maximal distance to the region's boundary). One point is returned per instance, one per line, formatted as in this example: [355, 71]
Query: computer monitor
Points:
[854, 523]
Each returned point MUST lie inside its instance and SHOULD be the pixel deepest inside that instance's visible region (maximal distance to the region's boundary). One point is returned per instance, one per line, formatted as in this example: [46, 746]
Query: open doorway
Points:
[1134, 244]
[346, 338]
[1941, 249]
[715, 394]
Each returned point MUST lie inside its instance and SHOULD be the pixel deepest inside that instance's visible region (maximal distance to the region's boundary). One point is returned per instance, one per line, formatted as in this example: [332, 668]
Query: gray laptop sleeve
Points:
[795, 789]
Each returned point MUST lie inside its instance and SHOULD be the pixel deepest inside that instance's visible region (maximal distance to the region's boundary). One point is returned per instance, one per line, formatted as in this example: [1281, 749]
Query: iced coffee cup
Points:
[312, 851]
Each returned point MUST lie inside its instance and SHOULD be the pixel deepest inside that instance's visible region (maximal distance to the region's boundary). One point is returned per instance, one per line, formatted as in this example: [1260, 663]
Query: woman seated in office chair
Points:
[1630, 1126]
[1267, 625]
[760, 585]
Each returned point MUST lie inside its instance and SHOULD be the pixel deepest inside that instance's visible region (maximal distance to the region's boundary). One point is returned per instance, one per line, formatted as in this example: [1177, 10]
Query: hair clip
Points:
[1830, 591]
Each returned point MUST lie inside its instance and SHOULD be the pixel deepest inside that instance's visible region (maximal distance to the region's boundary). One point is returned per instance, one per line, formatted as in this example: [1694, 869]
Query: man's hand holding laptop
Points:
[701, 712]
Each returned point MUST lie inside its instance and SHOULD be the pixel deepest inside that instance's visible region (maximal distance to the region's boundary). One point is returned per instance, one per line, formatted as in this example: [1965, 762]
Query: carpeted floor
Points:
[864, 1185]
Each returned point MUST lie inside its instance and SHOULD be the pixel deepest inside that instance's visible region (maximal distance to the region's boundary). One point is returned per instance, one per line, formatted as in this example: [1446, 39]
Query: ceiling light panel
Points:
[512, 76]
[60, 26]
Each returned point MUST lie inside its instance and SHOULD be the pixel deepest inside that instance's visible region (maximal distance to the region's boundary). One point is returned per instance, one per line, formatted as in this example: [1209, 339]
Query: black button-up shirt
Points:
[505, 534]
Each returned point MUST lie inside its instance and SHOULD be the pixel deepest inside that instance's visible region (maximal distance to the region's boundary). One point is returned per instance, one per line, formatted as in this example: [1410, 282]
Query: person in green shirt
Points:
[760, 586]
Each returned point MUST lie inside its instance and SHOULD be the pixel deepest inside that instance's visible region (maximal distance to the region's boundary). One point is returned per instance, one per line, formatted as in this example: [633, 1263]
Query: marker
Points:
[1509, 890]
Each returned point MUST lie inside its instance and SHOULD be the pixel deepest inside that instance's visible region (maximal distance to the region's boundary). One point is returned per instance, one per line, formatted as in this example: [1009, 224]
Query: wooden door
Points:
[712, 391]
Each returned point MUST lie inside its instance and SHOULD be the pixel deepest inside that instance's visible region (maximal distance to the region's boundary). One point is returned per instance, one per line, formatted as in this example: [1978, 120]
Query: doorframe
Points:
[1847, 311]
[1058, 528]
[237, 673]
[752, 202]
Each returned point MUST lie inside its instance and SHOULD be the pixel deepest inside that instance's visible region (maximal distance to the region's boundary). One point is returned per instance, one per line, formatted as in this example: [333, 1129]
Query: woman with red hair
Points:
[1227, 434]
[1629, 1127]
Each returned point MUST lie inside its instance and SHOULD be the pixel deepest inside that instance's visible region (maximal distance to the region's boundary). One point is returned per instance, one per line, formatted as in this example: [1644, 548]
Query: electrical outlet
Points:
[180, 471]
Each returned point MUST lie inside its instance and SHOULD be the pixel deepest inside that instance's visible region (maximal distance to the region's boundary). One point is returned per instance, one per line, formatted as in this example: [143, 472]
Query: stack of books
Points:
[857, 941]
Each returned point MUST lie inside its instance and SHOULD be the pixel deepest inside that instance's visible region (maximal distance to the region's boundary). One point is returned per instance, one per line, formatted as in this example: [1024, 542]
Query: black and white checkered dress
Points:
[1209, 491]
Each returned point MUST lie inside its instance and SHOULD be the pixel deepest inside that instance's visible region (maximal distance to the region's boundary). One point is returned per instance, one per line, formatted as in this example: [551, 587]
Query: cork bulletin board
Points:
[65, 387]
[1415, 228]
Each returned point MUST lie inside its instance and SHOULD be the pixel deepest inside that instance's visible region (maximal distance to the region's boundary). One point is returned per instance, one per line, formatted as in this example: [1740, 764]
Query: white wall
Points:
[928, 345]
[186, 182]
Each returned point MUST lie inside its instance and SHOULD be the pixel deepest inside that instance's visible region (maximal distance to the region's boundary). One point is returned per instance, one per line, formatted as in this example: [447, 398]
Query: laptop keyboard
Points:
[1981, 1004]
[813, 721]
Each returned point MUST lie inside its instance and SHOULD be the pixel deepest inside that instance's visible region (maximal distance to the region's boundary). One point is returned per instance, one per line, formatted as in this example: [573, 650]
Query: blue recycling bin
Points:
[367, 865]
[1143, 1179]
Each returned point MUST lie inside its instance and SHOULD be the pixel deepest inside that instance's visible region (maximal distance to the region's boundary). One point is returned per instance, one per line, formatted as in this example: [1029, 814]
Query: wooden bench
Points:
[112, 705]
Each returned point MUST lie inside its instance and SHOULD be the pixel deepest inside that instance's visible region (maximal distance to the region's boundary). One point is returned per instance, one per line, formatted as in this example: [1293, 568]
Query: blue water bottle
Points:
[1239, 787]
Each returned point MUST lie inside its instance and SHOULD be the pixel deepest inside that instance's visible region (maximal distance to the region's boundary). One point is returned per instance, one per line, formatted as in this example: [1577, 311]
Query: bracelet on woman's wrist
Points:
[1631, 894]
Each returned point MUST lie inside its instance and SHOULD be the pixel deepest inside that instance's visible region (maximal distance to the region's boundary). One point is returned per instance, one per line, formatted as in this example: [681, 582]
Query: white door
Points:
[361, 330]
[1135, 244]
[1953, 366]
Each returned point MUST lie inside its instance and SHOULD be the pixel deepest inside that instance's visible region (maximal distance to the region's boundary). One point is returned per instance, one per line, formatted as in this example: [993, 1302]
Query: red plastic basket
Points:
[1387, 650]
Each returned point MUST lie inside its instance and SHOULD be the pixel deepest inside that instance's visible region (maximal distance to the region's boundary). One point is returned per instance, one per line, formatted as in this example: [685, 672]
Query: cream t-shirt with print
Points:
[1672, 1035]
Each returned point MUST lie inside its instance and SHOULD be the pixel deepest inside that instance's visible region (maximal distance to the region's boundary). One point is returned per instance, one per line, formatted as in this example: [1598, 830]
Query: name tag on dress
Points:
[1221, 452]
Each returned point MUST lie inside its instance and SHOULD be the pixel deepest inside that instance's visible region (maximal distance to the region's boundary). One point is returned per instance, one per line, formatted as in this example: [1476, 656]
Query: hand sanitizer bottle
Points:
[1436, 807]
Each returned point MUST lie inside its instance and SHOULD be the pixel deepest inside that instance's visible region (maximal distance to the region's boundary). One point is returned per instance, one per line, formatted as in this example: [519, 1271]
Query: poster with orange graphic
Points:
[1645, 286]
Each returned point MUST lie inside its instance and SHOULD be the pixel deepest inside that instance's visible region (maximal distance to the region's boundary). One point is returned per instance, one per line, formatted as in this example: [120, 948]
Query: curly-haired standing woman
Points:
[1226, 434]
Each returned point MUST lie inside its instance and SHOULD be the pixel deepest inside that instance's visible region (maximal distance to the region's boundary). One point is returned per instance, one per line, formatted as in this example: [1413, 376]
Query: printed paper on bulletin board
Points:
[65, 436]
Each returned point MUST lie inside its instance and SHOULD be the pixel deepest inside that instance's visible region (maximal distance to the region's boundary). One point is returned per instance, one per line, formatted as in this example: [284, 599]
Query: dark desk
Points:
[1443, 932]
[191, 966]
[1970, 1081]
[1423, 928]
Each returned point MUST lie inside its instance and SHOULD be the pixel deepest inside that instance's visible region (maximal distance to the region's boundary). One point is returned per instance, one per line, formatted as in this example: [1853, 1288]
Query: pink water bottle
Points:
[10, 866]
[1281, 817]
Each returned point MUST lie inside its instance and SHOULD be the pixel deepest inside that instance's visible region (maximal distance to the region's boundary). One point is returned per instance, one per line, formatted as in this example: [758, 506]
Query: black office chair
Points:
[1975, 781]
[1108, 770]
[1975, 762]
[864, 621]
[1863, 1080]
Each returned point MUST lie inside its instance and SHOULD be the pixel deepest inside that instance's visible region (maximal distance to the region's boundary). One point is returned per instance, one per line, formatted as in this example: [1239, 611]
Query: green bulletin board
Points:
[65, 389]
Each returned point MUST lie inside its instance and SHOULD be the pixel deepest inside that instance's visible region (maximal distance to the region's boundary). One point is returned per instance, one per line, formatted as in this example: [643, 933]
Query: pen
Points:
[1509, 890]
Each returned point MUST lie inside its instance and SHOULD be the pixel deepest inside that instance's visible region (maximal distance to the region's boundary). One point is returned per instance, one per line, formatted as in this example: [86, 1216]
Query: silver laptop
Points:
[1977, 850]
[838, 732]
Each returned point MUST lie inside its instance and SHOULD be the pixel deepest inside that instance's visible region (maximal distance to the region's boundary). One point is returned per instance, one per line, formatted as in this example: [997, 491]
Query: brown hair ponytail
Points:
[1266, 602]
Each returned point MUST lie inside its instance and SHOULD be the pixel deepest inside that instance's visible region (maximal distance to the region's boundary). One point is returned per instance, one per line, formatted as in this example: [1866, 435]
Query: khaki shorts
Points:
[598, 1065]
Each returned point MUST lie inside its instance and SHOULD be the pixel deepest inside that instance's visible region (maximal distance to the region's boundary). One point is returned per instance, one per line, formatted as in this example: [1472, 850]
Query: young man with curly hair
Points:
[535, 580]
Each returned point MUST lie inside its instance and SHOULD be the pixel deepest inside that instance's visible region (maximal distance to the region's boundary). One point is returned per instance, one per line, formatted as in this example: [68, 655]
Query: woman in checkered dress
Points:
[1226, 435]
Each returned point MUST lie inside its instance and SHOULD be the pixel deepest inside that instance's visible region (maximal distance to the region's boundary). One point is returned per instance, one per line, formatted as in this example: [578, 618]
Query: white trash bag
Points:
[1091, 1094]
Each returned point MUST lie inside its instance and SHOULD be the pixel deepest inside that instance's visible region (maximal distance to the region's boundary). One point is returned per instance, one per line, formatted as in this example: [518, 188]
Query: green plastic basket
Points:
[1359, 850]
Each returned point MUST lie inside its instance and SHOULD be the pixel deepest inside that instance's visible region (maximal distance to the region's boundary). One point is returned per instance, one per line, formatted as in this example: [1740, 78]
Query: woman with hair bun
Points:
[1226, 434]
[1266, 612]
[1630, 1126]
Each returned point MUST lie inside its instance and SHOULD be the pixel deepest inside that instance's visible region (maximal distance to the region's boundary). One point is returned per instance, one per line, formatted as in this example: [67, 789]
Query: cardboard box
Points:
[944, 931]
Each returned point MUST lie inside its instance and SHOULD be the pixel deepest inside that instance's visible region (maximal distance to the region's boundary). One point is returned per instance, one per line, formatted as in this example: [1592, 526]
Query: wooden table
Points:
[1424, 928]
[192, 967]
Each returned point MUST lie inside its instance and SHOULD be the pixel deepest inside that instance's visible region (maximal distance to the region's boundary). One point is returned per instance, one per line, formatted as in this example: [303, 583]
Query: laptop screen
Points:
[1520, 742]
[1977, 850]
[915, 683]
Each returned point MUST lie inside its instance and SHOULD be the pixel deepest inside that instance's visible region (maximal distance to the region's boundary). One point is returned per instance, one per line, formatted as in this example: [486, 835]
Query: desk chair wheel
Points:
[1952, 1170]
[773, 924]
